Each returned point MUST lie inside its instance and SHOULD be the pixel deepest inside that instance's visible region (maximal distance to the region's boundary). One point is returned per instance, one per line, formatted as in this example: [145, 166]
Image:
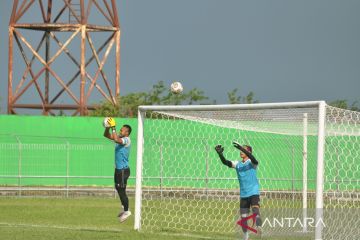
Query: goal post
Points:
[181, 184]
[305, 183]
[320, 170]
[139, 158]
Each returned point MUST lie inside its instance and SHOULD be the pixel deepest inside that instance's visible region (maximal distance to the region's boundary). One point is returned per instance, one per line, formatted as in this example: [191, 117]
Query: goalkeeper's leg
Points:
[123, 198]
[121, 177]
[244, 211]
[255, 207]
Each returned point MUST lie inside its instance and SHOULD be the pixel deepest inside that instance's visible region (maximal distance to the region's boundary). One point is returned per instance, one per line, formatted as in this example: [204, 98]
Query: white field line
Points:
[16, 225]
[4, 224]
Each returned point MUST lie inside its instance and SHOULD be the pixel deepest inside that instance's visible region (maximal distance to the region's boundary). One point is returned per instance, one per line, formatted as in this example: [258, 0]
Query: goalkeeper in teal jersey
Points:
[122, 169]
[249, 184]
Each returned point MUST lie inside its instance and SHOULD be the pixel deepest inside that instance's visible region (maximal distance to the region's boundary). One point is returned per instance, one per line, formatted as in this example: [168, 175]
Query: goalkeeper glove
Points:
[237, 145]
[219, 149]
[111, 122]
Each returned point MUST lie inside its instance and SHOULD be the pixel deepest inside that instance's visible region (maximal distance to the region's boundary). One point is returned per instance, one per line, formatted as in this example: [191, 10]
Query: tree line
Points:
[161, 95]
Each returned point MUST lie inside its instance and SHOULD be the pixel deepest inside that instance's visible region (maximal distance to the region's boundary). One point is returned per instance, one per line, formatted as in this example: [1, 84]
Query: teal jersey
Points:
[246, 173]
[122, 152]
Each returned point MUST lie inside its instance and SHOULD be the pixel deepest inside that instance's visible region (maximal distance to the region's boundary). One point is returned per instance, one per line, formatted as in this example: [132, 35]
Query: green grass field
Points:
[77, 218]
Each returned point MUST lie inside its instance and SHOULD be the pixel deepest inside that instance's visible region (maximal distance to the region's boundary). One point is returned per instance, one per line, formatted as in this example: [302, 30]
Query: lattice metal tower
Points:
[53, 39]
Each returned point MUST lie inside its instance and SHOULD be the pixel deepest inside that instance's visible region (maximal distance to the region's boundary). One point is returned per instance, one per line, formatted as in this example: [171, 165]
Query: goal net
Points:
[309, 169]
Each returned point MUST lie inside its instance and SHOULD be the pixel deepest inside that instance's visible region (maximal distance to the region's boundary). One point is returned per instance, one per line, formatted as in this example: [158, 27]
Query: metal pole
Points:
[82, 10]
[47, 73]
[19, 164]
[207, 171]
[139, 165]
[304, 194]
[82, 71]
[230, 106]
[337, 178]
[10, 70]
[293, 172]
[83, 111]
[117, 64]
[47, 57]
[319, 204]
[161, 171]
[10, 57]
[67, 167]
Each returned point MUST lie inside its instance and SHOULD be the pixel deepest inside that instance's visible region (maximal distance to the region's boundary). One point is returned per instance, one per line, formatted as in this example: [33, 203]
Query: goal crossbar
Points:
[305, 104]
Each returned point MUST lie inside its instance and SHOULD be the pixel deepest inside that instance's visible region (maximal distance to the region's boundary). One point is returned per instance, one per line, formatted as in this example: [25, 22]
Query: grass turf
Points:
[77, 218]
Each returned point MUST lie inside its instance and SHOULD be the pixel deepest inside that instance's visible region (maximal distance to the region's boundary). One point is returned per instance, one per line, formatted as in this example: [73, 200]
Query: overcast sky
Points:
[282, 50]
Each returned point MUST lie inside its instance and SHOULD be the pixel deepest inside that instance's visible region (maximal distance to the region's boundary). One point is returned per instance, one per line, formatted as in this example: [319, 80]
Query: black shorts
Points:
[121, 176]
[246, 203]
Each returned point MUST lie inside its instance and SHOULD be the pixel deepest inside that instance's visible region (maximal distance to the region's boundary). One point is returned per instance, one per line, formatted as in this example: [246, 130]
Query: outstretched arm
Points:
[249, 154]
[220, 149]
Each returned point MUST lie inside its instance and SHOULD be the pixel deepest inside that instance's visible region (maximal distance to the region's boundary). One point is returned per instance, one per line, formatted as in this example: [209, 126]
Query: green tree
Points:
[61, 113]
[250, 98]
[105, 108]
[195, 95]
[158, 95]
[340, 103]
[128, 106]
[355, 106]
[234, 98]
[343, 103]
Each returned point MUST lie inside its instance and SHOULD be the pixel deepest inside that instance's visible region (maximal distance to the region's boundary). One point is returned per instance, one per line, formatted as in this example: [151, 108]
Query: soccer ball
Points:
[176, 87]
[105, 122]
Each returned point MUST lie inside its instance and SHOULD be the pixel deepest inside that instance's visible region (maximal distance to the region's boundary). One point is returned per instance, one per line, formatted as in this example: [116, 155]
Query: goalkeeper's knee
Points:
[244, 224]
[256, 210]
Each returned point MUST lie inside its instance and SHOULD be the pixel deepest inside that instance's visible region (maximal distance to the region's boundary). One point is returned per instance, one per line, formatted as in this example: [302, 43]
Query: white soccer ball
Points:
[105, 122]
[176, 87]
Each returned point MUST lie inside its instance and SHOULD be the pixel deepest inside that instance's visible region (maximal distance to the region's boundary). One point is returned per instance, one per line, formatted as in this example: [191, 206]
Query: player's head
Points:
[248, 148]
[125, 130]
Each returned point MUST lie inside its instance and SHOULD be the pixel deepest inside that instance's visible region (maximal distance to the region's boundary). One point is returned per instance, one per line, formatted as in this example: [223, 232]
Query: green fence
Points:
[71, 151]
[58, 151]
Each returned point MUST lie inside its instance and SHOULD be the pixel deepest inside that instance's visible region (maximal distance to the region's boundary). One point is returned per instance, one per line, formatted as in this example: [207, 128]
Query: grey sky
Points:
[282, 50]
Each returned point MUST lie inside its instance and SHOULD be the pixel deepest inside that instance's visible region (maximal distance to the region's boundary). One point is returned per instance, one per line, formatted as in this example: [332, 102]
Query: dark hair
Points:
[128, 128]
[249, 148]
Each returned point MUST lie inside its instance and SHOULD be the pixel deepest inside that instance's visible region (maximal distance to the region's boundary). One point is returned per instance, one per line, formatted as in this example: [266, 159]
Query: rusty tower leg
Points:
[10, 70]
[82, 72]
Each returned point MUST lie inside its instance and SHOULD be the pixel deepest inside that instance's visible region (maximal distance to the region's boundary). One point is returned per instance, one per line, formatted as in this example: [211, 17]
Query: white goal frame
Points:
[320, 105]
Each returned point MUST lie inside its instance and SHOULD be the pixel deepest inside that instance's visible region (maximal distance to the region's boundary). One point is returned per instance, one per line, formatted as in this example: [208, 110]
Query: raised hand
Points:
[237, 145]
[111, 122]
[219, 149]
